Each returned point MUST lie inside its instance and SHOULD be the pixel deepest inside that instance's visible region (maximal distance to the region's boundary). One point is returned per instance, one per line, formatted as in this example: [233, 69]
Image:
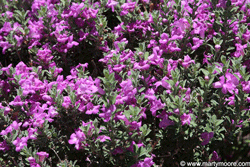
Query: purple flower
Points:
[246, 86]
[166, 122]
[156, 105]
[199, 28]
[142, 65]
[77, 138]
[42, 155]
[39, 119]
[31, 132]
[76, 9]
[71, 43]
[111, 4]
[16, 125]
[221, 3]
[32, 162]
[36, 28]
[173, 47]
[227, 85]
[4, 146]
[187, 61]
[163, 83]
[150, 94]
[119, 27]
[197, 43]
[6, 131]
[133, 125]
[178, 31]
[66, 102]
[128, 91]
[131, 147]
[20, 143]
[47, 98]
[62, 38]
[52, 112]
[126, 7]
[103, 138]
[45, 55]
[206, 137]
[91, 109]
[217, 48]
[231, 100]
[155, 58]
[5, 45]
[117, 150]
[118, 67]
[89, 13]
[8, 13]
[146, 163]
[153, 43]
[6, 27]
[215, 157]
[17, 101]
[107, 112]
[7, 69]
[19, 40]
[240, 50]
[164, 39]
[21, 68]
[185, 119]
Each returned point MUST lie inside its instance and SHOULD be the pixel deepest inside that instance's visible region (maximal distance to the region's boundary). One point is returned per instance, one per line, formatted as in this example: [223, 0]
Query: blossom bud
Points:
[217, 48]
[206, 78]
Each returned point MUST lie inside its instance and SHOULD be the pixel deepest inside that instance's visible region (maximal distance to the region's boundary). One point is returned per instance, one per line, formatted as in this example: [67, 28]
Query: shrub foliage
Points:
[124, 83]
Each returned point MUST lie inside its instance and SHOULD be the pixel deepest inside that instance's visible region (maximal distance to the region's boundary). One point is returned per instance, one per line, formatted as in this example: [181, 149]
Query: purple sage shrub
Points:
[124, 83]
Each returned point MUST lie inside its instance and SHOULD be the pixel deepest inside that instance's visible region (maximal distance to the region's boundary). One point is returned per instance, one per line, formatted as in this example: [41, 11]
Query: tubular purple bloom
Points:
[185, 119]
[20, 143]
[166, 122]
[42, 155]
[215, 157]
[206, 137]
[17, 101]
[111, 4]
[6, 27]
[71, 43]
[103, 138]
[197, 43]
[107, 112]
[217, 48]
[76, 138]
[5, 45]
[4, 146]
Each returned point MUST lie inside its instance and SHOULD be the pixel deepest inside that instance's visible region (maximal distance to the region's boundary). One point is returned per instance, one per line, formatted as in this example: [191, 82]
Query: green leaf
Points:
[146, 55]
[127, 114]
[211, 80]
[112, 98]
[142, 89]
[214, 102]
[219, 121]
[202, 81]
[173, 118]
[208, 129]
[214, 118]
[205, 72]
[223, 59]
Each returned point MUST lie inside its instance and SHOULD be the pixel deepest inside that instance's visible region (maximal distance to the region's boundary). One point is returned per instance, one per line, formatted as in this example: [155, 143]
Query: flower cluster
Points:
[123, 83]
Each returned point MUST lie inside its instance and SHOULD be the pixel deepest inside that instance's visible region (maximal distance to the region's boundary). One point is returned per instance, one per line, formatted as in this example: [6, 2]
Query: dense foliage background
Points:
[124, 83]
